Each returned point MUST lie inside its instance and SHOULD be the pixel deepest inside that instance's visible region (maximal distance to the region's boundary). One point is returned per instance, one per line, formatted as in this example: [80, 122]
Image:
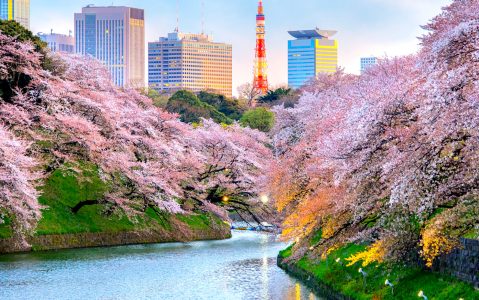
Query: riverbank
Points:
[333, 279]
[179, 229]
[73, 216]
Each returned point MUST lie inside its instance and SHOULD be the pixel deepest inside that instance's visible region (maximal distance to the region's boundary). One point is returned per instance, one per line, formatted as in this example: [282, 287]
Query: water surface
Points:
[243, 267]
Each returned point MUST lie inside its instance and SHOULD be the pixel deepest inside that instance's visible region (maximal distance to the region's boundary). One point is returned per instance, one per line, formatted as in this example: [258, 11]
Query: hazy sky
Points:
[366, 27]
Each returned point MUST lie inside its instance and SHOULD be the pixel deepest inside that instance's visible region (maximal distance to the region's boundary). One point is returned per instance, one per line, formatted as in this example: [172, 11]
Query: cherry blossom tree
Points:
[18, 196]
[388, 157]
[147, 156]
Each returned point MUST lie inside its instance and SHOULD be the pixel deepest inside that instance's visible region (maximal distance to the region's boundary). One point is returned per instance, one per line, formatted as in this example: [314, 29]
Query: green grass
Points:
[318, 235]
[408, 281]
[6, 228]
[72, 184]
[197, 221]
[286, 252]
[472, 234]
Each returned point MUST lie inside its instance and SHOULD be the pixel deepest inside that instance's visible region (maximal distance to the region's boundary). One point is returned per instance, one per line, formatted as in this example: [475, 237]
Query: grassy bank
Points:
[408, 281]
[72, 184]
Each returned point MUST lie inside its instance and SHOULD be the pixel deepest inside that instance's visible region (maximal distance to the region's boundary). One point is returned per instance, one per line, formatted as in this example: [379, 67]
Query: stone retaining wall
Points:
[101, 239]
[462, 263]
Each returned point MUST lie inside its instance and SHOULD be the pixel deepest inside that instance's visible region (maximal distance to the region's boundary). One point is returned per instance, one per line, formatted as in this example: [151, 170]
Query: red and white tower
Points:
[260, 67]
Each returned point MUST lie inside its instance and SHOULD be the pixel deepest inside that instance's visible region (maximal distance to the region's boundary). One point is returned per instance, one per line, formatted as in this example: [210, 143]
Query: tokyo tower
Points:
[260, 68]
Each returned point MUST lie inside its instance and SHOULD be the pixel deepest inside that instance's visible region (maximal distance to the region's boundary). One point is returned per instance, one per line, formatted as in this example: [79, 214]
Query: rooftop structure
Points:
[312, 34]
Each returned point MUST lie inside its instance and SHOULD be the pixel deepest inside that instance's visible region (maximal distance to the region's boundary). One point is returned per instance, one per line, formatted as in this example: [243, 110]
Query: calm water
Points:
[243, 267]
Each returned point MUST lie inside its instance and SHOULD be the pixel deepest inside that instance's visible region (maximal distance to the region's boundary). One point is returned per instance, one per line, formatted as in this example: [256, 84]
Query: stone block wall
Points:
[462, 263]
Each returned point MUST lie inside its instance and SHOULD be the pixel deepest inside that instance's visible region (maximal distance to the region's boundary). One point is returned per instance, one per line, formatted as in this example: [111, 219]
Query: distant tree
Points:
[192, 110]
[249, 92]
[259, 118]
[21, 34]
[230, 107]
[159, 100]
[275, 95]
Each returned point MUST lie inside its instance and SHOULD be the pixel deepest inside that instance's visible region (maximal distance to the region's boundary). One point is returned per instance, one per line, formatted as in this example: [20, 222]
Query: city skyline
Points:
[366, 27]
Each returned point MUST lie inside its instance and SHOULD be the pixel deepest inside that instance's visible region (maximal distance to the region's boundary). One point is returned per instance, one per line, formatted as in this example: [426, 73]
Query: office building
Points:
[310, 53]
[189, 61]
[114, 35]
[18, 10]
[58, 42]
[367, 62]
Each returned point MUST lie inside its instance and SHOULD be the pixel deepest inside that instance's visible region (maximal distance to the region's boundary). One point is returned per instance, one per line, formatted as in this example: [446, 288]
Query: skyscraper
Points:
[260, 65]
[18, 10]
[367, 62]
[311, 53]
[114, 35]
[58, 42]
[190, 61]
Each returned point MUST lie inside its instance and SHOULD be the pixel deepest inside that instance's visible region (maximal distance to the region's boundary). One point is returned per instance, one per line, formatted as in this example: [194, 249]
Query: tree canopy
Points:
[274, 95]
[146, 157]
[14, 29]
[191, 109]
[259, 118]
[229, 107]
[390, 157]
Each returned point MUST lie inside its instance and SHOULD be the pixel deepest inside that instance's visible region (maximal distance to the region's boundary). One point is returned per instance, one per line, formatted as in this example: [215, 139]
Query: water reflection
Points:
[243, 267]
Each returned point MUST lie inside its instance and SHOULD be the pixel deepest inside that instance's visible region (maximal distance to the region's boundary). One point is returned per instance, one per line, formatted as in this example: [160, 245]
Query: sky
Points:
[365, 27]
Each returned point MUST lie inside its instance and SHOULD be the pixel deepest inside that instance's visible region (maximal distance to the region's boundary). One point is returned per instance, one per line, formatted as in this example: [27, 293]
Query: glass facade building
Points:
[367, 62]
[114, 35]
[59, 42]
[310, 53]
[190, 61]
[18, 10]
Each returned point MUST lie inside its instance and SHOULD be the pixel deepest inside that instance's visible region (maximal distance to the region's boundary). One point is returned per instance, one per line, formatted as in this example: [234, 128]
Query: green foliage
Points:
[191, 109]
[199, 221]
[229, 107]
[14, 29]
[275, 95]
[318, 235]
[286, 252]
[259, 118]
[159, 100]
[371, 220]
[408, 281]
[6, 230]
[472, 234]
